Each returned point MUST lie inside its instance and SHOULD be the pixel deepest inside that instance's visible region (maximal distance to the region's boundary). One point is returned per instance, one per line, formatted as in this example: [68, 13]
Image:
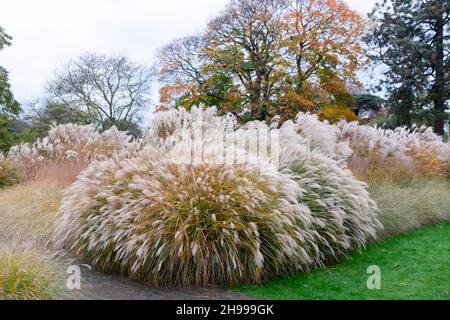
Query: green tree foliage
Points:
[368, 103]
[45, 114]
[9, 107]
[7, 102]
[412, 38]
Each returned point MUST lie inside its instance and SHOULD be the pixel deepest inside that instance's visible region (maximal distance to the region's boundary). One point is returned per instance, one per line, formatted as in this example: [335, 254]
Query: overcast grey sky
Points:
[48, 33]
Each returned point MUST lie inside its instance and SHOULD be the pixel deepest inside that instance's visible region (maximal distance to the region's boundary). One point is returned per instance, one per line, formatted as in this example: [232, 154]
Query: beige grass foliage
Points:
[161, 219]
[28, 268]
[27, 273]
[411, 205]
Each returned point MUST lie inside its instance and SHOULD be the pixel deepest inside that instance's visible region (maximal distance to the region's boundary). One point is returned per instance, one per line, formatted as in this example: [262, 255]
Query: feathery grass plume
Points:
[167, 128]
[343, 213]
[170, 216]
[9, 175]
[383, 155]
[430, 154]
[186, 224]
[376, 157]
[322, 136]
[71, 142]
[27, 274]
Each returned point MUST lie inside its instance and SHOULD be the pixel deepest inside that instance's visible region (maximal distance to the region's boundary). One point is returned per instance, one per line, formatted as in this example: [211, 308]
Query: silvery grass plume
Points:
[186, 224]
[431, 155]
[71, 142]
[174, 217]
[401, 151]
[344, 214]
[167, 128]
[321, 136]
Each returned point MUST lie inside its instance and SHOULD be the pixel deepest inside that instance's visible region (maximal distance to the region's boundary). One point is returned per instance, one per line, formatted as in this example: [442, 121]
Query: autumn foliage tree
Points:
[268, 57]
[190, 78]
[323, 45]
[246, 42]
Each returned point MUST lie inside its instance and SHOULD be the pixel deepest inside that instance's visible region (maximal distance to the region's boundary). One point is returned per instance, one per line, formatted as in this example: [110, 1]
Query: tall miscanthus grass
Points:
[344, 214]
[321, 136]
[431, 155]
[152, 211]
[184, 225]
[167, 128]
[384, 155]
[168, 123]
[168, 219]
[71, 142]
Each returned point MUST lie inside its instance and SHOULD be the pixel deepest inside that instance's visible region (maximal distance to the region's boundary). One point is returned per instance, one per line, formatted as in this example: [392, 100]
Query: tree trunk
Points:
[255, 98]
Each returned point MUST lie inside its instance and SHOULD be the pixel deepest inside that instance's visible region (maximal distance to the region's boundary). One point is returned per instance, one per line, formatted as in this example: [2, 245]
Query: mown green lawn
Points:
[413, 266]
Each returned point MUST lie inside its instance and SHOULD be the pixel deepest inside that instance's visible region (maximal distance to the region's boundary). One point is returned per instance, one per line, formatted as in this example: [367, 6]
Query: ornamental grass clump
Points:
[344, 215]
[322, 136]
[414, 204]
[9, 175]
[384, 155]
[27, 274]
[28, 269]
[174, 217]
[71, 142]
[185, 224]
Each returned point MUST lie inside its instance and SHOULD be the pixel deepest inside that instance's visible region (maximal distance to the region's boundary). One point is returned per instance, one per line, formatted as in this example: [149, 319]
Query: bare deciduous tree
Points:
[182, 59]
[108, 90]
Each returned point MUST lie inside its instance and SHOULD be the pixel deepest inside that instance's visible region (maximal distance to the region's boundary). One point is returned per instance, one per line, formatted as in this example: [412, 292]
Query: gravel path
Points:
[100, 286]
